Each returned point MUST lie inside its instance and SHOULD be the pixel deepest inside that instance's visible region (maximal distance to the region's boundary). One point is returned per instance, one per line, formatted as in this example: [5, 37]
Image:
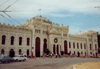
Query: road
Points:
[47, 63]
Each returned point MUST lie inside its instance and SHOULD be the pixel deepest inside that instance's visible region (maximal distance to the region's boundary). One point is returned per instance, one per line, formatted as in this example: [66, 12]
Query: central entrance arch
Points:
[37, 47]
[11, 53]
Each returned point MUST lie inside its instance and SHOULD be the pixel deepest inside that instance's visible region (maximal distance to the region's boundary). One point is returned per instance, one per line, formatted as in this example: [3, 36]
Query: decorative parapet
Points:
[13, 27]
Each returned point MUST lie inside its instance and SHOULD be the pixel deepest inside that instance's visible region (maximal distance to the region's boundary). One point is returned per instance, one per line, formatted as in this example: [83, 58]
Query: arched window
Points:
[20, 40]
[45, 45]
[73, 45]
[84, 46]
[20, 51]
[28, 41]
[27, 52]
[65, 47]
[77, 45]
[12, 40]
[11, 53]
[3, 39]
[58, 49]
[2, 51]
[69, 45]
[54, 49]
[81, 45]
[90, 47]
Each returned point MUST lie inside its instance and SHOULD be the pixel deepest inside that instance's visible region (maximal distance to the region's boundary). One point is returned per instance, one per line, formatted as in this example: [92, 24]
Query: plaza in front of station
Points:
[48, 63]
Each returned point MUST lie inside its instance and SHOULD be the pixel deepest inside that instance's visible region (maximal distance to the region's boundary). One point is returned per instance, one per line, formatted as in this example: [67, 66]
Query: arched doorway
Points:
[45, 45]
[53, 49]
[11, 53]
[78, 54]
[57, 49]
[20, 51]
[65, 47]
[2, 51]
[37, 47]
[27, 52]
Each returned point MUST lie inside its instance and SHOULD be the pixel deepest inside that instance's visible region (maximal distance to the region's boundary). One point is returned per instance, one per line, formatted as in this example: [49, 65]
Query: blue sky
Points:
[80, 15]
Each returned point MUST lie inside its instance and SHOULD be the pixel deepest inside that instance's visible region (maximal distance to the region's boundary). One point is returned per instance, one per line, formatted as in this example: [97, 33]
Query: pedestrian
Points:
[56, 55]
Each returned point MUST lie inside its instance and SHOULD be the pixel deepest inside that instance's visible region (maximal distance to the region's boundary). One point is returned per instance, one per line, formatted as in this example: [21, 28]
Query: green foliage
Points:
[47, 51]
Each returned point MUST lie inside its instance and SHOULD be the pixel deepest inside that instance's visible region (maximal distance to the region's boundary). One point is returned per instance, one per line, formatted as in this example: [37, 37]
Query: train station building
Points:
[39, 33]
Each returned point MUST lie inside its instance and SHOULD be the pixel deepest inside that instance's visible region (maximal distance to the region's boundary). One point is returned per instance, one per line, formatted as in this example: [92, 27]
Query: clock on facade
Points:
[55, 40]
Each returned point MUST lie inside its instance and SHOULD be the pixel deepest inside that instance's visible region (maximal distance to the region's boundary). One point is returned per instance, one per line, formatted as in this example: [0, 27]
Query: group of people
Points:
[51, 55]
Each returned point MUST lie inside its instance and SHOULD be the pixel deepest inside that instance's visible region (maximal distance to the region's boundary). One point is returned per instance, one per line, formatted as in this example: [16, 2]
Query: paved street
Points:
[47, 63]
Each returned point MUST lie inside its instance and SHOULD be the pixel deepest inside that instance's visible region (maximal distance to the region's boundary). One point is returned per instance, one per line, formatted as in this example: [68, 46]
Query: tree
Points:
[47, 51]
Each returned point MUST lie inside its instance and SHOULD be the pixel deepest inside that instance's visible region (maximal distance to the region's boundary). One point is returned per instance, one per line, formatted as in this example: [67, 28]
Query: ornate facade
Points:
[39, 34]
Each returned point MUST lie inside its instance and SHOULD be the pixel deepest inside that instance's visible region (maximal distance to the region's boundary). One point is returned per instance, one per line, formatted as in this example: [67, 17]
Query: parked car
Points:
[19, 58]
[6, 59]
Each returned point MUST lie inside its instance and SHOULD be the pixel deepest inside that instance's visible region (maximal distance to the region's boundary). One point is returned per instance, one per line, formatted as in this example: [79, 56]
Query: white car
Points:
[19, 58]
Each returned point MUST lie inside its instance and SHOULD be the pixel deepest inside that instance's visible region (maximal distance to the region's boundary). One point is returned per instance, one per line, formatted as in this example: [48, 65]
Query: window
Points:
[2, 51]
[95, 47]
[12, 40]
[37, 31]
[28, 41]
[20, 51]
[77, 46]
[81, 45]
[3, 39]
[74, 52]
[90, 47]
[69, 45]
[73, 45]
[82, 53]
[84, 46]
[20, 40]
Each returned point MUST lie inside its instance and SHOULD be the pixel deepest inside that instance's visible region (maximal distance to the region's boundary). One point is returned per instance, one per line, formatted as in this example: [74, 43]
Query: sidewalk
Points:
[88, 65]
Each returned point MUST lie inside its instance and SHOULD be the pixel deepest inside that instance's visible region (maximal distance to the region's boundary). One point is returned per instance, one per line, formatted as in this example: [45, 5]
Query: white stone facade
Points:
[47, 34]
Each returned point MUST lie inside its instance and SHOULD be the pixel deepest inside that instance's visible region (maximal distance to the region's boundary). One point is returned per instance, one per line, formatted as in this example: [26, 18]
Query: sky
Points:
[80, 15]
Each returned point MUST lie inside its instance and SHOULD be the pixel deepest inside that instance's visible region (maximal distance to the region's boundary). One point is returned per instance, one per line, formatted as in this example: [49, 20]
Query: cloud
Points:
[29, 8]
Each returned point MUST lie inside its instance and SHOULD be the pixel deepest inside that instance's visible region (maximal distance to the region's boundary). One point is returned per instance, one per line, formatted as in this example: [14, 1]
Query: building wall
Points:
[45, 29]
[9, 31]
